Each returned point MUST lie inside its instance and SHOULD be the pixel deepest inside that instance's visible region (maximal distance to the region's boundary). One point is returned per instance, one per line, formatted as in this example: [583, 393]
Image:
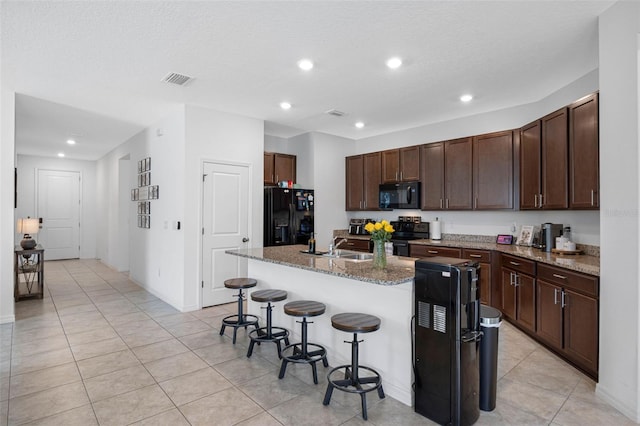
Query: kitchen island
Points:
[344, 286]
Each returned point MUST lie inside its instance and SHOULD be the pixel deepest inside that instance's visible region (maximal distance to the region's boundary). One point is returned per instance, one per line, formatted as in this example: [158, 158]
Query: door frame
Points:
[250, 193]
[36, 194]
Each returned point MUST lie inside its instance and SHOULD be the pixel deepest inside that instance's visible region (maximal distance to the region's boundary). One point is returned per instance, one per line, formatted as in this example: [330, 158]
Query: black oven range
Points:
[407, 228]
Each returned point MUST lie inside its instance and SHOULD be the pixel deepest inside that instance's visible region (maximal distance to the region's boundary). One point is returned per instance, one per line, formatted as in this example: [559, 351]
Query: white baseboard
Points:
[7, 319]
[631, 412]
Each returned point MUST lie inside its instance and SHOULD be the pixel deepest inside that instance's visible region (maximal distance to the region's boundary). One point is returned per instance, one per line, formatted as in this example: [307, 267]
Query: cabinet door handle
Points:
[277, 179]
[351, 244]
[517, 280]
[562, 277]
[365, 204]
[401, 177]
[555, 296]
[514, 263]
[432, 251]
[447, 203]
[441, 205]
[360, 205]
[592, 193]
[475, 255]
[540, 206]
[475, 203]
[535, 200]
[563, 300]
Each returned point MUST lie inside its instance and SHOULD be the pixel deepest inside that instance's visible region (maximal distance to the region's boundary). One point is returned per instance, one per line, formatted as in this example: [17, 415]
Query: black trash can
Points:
[490, 320]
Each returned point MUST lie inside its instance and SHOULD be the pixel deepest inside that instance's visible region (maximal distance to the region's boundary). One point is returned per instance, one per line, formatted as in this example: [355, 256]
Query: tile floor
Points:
[100, 350]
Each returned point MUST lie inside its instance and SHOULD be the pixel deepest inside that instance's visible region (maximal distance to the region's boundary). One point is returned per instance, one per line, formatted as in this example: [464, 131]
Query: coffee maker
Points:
[548, 234]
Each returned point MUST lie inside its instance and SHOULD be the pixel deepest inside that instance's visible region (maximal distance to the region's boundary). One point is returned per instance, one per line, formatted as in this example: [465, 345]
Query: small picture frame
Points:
[140, 166]
[525, 238]
[505, 239]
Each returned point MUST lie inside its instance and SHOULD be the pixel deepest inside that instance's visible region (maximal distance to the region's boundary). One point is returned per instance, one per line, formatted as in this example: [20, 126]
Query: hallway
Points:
[101, 350]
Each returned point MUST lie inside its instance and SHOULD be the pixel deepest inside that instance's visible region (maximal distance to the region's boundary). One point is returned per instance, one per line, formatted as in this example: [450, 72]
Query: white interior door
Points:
[225, 221]
[59, 208]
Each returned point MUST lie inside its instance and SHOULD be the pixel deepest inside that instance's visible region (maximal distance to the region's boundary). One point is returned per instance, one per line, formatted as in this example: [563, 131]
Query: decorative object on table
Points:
[505, 239]
[28, 226]
[525, 238]
[380, 234]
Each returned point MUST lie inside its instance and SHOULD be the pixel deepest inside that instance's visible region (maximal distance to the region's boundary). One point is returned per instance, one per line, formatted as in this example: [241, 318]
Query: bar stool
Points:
[268, 333]
[354, 323]
[241, 319]
[301, 353]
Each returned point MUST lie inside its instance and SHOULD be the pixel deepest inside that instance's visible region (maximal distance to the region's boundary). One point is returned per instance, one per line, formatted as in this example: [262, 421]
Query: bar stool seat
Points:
[300, 352]
[268, 333]
[350, 380]
[240, 319]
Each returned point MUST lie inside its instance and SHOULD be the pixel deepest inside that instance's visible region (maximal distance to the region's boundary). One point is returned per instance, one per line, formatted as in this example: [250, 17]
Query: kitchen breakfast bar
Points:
[344, 286]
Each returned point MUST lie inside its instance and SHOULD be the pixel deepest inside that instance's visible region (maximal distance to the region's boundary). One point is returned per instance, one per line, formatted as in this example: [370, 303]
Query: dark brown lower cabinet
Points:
[518, 298]
[357, 245]
[417, 250]
[567, 315]
[483, 257]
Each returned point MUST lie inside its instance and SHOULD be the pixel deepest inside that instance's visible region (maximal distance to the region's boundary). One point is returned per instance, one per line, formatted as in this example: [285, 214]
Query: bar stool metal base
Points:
[352, 382]
[302, 355]
[235, 322]
[262, 334]
[240, 319]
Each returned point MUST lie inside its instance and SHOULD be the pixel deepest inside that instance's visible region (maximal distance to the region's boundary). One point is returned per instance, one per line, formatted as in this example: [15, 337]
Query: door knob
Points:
[245, 239]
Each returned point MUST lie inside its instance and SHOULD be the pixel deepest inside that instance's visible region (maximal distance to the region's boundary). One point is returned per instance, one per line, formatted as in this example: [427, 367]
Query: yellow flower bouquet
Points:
[380, 233]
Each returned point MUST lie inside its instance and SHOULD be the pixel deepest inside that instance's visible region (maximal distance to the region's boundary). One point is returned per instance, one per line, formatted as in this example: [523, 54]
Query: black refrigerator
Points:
[447, 337]
[288, 216]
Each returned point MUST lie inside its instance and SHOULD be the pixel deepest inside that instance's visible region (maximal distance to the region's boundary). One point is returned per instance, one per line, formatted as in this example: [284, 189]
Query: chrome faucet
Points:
[334, 246]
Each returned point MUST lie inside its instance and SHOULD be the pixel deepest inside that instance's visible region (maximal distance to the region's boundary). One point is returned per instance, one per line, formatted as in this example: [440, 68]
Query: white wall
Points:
[27, 176]
[217, 136]
[7, 221]
[619, 186]
[329, 176]
[156, 254]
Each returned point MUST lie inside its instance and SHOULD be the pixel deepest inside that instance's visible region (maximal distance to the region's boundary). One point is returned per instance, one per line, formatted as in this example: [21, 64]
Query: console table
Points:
[29, 273]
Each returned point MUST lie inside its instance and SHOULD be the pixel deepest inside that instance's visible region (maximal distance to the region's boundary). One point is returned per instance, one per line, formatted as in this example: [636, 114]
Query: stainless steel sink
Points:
[353, 256]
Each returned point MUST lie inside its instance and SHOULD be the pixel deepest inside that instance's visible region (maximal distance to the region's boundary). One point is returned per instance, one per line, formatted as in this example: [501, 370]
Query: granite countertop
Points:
[399, 270]
[584, 263]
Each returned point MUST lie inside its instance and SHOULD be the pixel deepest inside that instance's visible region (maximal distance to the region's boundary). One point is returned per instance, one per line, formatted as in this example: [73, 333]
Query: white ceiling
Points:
[94, 69]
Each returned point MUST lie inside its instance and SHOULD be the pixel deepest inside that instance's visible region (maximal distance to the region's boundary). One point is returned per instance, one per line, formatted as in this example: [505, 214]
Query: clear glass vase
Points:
[379, 255]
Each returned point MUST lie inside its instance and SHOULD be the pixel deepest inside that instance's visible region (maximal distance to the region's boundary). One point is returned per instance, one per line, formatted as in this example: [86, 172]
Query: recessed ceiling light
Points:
[359, 124]
[61, 154]
[466, 98]
[394, 63]
[305, 64]
[285, 105]
[71, 141]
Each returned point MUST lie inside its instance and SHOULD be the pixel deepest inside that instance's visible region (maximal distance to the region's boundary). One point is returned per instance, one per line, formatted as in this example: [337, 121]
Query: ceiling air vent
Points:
[335, 112]
[175, 78]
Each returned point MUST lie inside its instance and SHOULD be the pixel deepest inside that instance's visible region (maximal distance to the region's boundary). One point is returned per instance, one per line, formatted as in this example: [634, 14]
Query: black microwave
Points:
[404, 195]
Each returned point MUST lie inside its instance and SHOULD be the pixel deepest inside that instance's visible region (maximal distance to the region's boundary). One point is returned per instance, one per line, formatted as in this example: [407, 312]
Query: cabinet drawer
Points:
[582, 283]
[431, 251]
[519, 264]
[483, 256]
[357, 245]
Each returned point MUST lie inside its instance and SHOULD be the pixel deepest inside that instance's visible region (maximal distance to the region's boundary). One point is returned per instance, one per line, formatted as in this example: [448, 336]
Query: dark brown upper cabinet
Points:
[544, 161]
[555, 161]
[363, 181]
[584, 166]
[458, 178]
[279, 167]
[401, 165]
[530, 165]
[447, 175]
[432, 165]
[493, 171]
